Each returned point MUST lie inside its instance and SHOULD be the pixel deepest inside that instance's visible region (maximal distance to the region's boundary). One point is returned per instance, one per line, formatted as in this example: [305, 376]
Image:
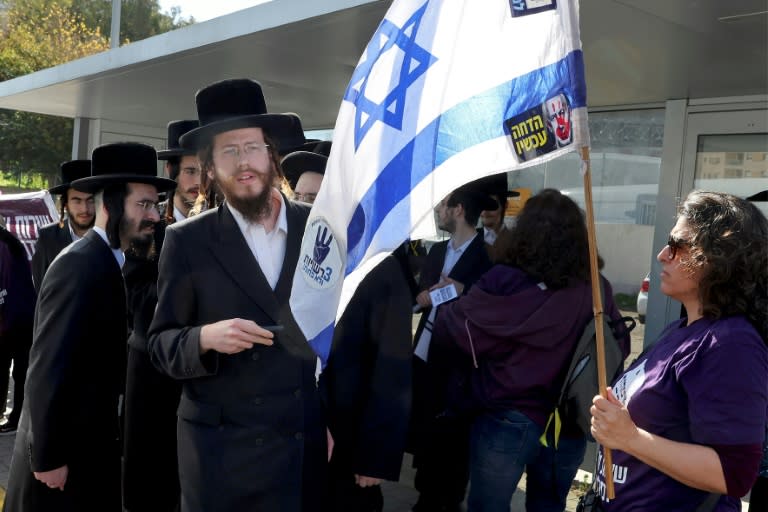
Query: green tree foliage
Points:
[37, 34]
[139, 19]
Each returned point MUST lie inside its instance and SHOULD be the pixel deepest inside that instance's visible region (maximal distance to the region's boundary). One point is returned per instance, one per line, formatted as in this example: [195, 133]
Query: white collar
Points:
[119, 256]
[282, 219]
[177, 214]
[74, 236]
[462, 247]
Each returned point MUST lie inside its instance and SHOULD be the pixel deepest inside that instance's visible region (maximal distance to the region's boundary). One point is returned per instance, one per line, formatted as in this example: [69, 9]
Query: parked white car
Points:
[642, 298]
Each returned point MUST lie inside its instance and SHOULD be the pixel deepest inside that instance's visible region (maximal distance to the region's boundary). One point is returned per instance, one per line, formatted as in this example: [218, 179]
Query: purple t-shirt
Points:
[705, 383]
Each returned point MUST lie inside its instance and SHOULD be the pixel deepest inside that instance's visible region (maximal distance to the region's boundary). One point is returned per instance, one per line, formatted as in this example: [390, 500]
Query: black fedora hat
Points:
[295, 140]
[71, 171]
[231, 105]
[123, 162]
[299, 162]
[175, 130]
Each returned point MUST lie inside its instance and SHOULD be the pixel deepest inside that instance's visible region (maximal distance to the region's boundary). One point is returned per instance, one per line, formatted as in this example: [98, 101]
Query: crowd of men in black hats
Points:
[166, 371]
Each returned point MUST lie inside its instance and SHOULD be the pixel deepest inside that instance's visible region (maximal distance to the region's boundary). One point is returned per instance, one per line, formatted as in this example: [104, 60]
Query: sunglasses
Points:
[675, 244]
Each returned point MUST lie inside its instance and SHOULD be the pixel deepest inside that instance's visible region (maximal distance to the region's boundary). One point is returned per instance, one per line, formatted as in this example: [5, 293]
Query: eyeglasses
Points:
[675, 244]
[191, 171]
[232, 154]
[147, 205]
[309, 197]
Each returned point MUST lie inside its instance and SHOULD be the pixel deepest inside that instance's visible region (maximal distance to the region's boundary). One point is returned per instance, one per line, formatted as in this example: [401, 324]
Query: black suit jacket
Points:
[367, 383]
[74, 378]
[472, 264]
[51, 240]
[251, 434]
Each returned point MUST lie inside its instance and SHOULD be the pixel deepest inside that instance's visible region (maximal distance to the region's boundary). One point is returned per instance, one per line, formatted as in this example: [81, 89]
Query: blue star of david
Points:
[416, 61]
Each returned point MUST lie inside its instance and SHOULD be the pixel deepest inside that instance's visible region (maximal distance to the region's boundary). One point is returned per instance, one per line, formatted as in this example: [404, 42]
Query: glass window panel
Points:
[734, 163]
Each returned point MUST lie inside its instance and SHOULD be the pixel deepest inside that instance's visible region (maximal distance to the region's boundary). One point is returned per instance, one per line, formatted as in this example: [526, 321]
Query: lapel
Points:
[229, 247]
[467, 261]
[63, 236]
[296, 216]
[434, 264]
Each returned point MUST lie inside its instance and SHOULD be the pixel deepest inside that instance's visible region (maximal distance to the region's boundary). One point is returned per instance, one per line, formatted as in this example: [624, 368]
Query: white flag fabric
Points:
[446, 92]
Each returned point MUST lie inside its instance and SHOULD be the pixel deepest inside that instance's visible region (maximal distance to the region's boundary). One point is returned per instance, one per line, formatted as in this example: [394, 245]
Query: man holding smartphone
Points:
[251, 435]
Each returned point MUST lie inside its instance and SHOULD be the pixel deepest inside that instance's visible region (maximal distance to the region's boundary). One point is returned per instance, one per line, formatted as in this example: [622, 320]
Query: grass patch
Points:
[625, 301]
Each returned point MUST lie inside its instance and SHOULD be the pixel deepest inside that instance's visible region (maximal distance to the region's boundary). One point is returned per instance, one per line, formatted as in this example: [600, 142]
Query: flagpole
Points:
[597, 307]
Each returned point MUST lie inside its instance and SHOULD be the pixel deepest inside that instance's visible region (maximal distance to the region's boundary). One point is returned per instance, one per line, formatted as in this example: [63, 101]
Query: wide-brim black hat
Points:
[123, 162]
[175, 130]
[71, 171]
[496, 185]
[233, 104]
[299, 162]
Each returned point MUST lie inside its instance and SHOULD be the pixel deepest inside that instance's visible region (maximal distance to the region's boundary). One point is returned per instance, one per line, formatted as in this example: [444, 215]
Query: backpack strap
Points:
[709, 503]
[554, 416]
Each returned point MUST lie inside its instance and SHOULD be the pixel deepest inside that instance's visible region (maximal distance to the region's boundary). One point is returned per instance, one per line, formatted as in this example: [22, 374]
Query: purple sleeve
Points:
[740, 464]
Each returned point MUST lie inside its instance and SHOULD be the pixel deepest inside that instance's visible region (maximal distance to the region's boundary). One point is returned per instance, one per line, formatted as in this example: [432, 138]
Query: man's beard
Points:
[252, 208]
[77, 225]
[139, 244]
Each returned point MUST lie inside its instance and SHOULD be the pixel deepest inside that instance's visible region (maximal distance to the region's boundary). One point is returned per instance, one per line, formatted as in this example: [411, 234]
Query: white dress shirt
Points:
[267, 248]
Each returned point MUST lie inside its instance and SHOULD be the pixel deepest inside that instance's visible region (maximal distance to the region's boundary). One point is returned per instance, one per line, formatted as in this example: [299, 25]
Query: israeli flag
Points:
[446, 92]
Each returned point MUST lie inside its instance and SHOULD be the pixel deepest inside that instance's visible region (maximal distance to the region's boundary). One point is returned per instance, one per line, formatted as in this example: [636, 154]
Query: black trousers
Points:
[13, 350]
[439, 443]
[346, 496]
[150, 466]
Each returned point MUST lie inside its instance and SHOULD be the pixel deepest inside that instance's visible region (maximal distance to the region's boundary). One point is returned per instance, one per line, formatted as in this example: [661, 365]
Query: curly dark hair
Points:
[549, 241]
[729, 246]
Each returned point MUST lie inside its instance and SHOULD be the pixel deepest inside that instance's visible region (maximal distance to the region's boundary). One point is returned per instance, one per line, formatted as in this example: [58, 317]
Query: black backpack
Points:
[580, 385]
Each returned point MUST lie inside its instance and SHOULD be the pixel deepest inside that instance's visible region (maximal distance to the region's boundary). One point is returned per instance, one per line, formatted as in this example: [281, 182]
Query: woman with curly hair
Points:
[519, 326]
[686, 421]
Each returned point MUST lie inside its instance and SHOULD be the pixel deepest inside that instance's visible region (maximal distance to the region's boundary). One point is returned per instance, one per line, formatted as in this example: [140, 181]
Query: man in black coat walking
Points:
[79, 218]
[67, 456]
[251, 435]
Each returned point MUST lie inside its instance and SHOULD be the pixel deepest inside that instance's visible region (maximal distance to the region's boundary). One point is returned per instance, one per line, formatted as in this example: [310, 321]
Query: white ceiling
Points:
[304, 51]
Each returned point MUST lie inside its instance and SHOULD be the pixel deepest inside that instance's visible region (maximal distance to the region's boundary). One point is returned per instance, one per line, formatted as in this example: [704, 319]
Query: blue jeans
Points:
[504, 444]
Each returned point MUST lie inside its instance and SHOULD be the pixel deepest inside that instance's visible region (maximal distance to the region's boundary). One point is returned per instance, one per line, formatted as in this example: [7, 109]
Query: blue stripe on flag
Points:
[447, 135]
[321, 343]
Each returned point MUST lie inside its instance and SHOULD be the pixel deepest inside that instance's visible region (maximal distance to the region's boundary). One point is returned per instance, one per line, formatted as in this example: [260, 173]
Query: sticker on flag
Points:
[526, 7]
[433, 104]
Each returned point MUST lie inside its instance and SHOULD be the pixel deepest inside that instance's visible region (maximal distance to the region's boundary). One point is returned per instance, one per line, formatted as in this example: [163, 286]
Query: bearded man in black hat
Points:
[77, 205]
[150, 467]
[250, 428]
[67, 456]
[182, 166]
[304, 171]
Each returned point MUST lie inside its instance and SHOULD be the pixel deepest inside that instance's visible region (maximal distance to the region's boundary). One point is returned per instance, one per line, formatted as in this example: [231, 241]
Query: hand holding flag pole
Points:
[597, 307]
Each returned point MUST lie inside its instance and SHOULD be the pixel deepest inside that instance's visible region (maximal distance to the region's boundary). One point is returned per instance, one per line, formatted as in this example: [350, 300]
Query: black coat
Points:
[71, 396]
[51, 240]
[367, 383]
[435, 383]
[150, 466]
[472, 264]
[250, 433]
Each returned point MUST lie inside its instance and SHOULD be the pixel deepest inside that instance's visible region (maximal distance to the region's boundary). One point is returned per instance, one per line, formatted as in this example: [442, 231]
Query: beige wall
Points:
[627, 251]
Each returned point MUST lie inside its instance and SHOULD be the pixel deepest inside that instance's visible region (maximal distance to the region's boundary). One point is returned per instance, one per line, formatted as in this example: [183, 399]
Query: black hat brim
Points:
[167, 154]
[93, 184]
[59, 189]
[275, 125]
[297, 163]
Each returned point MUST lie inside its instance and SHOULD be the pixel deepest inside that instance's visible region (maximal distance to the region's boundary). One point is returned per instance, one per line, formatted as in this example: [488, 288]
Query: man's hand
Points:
[366, 481]
[329, 438]
[423, 299]
[445, 281]
[233, 336]
[55, 478]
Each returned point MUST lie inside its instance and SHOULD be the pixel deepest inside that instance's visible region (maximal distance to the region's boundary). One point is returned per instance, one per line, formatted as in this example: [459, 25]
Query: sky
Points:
[206, 9]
